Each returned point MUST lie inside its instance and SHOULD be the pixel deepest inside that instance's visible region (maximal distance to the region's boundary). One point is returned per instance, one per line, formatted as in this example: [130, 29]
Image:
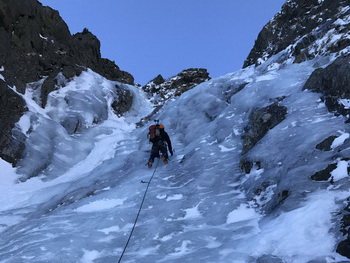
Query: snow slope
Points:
[201, 207]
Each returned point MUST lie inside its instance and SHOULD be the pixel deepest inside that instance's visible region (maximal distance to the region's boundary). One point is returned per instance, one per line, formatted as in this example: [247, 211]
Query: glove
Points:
[171, 152]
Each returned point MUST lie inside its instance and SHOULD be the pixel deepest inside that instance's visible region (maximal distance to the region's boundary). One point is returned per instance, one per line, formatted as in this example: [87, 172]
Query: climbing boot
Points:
[164, 160]
[150, 162]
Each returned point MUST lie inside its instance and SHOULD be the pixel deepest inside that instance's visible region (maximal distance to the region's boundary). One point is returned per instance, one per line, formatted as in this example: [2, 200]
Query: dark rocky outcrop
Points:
[326, 144]
[334, 80]
[260, 122]
[162, 89]
[343, 247]
[158, 80]
[11, 109]
[247, 165]
[334, 83]
[299, 24]
[325, 174]
[124, 101]
[35, 43]
[345, 224]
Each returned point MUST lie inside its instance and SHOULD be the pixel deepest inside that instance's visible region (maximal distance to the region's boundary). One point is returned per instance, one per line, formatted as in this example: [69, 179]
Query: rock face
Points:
[299, 26]
[124, 103]
[260, 122]
[12, 105]
[334, 83]
[343, 247]
[161, 90]
[35, 43]
[325, 174]
[326, 144]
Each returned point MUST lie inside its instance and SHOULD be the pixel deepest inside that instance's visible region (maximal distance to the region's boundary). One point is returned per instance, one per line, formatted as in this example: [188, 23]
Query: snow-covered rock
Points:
[161, 90]
[36, 45]
[307, 29]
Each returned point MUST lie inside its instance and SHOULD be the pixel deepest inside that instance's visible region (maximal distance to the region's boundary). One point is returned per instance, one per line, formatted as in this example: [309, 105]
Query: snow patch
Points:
[192, 213]
[100, 205]
[180, 251]
[225, 149]
[110, 229]
[175, 197]
[42, 37]
[24, 123]
[345, 102]
[242, 213]
[90, 256]
[161, 196]
[341, 171]
[166, 238]
[340, 140]
[8, 175]
[212, 242]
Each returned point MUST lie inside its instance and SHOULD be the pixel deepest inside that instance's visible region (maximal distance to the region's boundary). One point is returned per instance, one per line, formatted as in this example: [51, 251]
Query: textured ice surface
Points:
[200, 207]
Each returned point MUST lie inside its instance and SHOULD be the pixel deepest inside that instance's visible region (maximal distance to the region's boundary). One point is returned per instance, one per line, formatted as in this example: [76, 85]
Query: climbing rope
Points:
[138, 214]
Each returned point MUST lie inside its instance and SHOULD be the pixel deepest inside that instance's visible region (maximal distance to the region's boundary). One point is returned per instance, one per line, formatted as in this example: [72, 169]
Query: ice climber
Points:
[161, 141]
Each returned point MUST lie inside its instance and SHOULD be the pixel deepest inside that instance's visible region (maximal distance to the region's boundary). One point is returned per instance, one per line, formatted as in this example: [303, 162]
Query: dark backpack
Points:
[155, 132]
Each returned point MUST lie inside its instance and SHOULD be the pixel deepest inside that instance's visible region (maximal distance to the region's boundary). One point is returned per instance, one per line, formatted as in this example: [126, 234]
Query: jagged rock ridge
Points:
[35, 44]
[307, 28]
[161, 90]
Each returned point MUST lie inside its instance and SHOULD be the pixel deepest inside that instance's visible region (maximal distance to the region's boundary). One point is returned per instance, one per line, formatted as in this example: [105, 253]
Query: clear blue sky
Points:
[151, 37]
